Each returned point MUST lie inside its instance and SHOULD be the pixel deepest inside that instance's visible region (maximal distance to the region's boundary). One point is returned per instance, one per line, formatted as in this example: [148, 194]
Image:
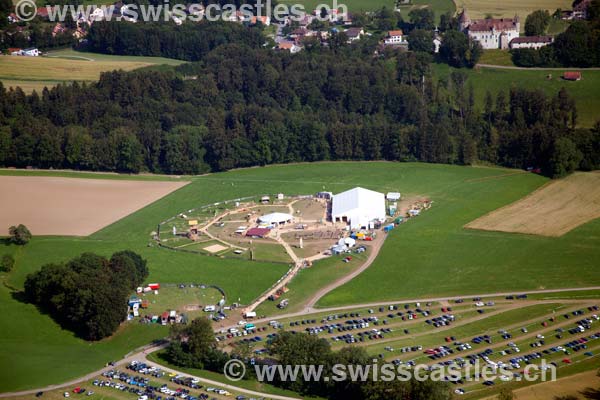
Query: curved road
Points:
[143, 353]
[374, 251]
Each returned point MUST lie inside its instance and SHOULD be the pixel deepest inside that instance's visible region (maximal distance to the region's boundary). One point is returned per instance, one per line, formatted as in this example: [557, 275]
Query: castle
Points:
[492, 33]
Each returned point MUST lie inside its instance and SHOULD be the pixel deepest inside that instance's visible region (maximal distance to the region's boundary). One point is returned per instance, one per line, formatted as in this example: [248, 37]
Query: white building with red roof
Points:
[491, 33]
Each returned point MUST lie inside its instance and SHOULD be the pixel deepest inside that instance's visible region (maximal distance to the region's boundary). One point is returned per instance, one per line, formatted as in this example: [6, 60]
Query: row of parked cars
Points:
[443, 320]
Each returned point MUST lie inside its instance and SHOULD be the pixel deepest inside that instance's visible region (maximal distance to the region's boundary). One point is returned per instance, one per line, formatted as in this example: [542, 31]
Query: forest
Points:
[88, 294]
[243, 105]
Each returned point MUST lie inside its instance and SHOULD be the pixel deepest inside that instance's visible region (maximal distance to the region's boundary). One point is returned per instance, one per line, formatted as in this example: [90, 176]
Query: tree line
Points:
[241, 106]
[189, 41]
[578, 46]
[87, 294]
[194, 346]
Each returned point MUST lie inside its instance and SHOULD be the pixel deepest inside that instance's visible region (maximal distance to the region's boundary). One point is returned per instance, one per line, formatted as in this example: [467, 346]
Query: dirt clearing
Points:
[552, 210]
[215, 248]
[71, 206]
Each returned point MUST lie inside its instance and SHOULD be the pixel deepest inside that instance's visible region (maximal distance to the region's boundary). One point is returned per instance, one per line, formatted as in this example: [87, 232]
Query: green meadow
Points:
[585, 92]
[429, 255]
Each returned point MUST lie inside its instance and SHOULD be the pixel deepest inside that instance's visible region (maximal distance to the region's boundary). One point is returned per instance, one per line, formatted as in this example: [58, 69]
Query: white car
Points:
[66, 394]
[241, 323]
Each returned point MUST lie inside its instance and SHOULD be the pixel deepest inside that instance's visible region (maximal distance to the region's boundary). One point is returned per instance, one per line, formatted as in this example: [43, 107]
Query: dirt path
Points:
[373, 252]
[306, 311]
[142, 354]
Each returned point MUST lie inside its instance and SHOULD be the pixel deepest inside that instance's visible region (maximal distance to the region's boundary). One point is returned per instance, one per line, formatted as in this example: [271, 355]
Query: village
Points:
[317, 26]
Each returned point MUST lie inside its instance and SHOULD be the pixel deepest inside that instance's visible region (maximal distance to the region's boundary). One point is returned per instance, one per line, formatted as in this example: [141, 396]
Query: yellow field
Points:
[571, 385]
[508, 8]
[66, 65]
[552, 210]
[32, 69]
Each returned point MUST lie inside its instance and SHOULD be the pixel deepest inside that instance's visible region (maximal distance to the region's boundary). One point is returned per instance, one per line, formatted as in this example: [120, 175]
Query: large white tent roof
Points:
[359, 205]
[276, 218]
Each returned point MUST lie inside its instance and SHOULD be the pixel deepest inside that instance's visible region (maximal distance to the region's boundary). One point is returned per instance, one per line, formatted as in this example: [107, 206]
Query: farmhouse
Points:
[531, 42]
[491, 33]
[358, 207]
[393, 38]
[354, 34]
[289, 46]
[276, 218]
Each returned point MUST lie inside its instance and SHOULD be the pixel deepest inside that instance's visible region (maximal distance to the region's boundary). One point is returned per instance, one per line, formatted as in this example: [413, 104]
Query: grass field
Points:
[353, 5]
[34, 73]
[508, 8]
[438, 6]
[585, 92]
[496, 57]
[554, 210]
[420, 258]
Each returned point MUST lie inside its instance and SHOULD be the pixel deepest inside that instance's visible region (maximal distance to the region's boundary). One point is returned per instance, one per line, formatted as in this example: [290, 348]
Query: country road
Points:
[533, 68]
[374, 252]
[143, 353]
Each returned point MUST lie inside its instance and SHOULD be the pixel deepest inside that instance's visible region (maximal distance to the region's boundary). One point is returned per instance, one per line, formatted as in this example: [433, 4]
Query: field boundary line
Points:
[466, 226]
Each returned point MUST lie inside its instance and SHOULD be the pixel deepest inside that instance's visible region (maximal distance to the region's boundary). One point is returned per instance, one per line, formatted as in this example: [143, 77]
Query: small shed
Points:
[572, 76]
[393, 196]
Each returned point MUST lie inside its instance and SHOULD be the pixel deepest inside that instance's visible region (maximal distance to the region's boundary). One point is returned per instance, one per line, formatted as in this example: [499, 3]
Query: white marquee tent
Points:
[276, 218]
[358, 207]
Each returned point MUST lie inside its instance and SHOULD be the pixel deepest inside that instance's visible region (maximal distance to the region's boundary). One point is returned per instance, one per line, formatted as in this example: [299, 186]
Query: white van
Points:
[210, 309]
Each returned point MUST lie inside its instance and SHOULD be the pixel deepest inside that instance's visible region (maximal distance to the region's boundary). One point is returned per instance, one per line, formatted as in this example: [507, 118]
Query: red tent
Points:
[258, 232]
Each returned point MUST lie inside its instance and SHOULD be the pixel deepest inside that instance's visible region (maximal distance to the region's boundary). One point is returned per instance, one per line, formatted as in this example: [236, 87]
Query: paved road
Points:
[126, 360]
[306, 311]
[142, 355]
[534, 68]
[373, 252]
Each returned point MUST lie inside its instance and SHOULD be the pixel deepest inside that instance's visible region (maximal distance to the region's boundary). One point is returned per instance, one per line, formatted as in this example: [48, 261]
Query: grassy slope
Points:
[585, 92]
[434, 255]
[496, 57]
[353, 5]
[439, 7]
[422, 257]
[90, 175]
[66, 66]
[508, 8]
